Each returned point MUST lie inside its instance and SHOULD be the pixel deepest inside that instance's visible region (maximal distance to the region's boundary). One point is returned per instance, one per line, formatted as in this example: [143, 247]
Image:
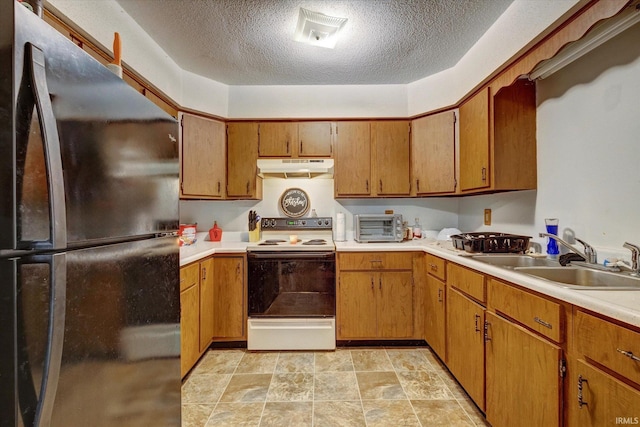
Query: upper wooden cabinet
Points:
[295, 139]
[433, 162]
[277, 139]
[372, 159]
[203, 158]
[242, 157]
[390, 145]
[315, 139]
[498, 139]
[352, 175]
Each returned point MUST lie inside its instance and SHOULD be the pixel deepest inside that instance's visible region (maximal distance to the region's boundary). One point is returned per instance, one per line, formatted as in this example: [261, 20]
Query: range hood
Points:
[295, 168]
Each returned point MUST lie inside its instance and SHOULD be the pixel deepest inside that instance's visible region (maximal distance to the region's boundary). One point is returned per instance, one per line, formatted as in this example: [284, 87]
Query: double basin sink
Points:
[572, 277]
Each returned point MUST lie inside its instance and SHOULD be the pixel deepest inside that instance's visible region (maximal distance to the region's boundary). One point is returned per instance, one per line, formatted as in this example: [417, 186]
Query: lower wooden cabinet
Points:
[189, 318]
[435, 316]
[599, 399]
[229, 298]
[465, 343]
[523, 376]
[375, 305]
[206, 303]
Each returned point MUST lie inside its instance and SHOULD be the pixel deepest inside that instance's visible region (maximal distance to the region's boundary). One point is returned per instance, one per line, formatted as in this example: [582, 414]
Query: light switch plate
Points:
[487, 217]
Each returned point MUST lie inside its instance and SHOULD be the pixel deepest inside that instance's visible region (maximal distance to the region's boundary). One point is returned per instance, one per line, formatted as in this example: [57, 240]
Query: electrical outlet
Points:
[487, 217]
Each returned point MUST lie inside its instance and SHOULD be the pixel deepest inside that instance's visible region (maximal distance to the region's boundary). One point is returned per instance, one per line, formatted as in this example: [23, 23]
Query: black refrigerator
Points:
[89, 260]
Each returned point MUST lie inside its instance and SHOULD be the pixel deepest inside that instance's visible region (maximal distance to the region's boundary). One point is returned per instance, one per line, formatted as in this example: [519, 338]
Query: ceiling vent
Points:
[318, 29]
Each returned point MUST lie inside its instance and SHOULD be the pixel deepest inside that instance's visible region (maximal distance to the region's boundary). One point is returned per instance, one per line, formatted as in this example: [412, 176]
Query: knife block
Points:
[254, 236]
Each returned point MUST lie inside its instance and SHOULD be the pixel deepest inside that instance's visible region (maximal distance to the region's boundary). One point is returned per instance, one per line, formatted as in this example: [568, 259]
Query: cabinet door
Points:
[189, 328]
[395, 304]
[433, 163]
[229, 317]
[356, 310]
[315, 139]
[353, 159]
[242, 157]
[474, 142]
[203, 165]
[598, 399]
[435, 316]
[206, 303]
[390, 142]
[277, 139]
[522, 376]
[465, 343]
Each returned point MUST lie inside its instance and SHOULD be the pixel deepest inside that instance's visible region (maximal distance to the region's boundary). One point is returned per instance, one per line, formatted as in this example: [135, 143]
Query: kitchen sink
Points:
[513, 261]
[583, 278]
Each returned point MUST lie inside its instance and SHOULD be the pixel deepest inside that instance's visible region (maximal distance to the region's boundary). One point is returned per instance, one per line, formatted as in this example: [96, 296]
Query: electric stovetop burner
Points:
[272, 242]
[315, 242]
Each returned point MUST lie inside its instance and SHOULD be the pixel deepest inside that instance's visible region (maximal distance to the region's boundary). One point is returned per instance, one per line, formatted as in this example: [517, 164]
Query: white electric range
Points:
[292, 286]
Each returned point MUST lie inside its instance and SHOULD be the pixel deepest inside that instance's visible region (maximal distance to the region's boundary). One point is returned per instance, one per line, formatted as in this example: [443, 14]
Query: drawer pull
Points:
[629, 355]
[542, 322]
[581, 402]
[434, 267]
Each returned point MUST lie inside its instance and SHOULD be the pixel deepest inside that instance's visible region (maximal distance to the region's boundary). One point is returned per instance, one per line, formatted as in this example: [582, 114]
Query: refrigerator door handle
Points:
[39, 414]
[53, 158]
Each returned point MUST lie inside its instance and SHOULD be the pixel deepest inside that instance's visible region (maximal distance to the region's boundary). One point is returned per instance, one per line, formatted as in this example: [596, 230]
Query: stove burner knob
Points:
[273, 223]
[303, 222]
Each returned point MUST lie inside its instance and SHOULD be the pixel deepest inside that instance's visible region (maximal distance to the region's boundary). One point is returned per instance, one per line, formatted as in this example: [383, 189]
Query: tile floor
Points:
[366, 387]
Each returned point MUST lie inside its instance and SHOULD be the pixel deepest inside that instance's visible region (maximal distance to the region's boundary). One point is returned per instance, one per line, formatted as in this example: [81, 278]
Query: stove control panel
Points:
[319, 223]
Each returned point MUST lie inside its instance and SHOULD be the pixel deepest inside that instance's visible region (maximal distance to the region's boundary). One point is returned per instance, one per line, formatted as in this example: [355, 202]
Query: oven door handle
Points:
[290, 255]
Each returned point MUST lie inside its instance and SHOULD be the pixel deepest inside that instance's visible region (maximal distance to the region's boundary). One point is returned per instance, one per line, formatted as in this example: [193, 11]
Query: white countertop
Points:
[621, 305]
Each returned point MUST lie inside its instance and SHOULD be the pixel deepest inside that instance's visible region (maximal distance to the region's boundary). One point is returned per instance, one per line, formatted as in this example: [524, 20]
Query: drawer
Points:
[375, 261]
[532, 311]
[189, 276]
[436, 267]
[604, 342]
[468, 281]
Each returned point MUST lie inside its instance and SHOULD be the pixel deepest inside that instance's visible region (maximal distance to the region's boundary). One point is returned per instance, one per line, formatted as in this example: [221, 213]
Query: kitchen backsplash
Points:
[434, 213]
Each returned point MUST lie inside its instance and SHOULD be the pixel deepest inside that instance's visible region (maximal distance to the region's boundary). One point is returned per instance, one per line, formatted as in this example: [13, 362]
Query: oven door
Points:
[291, 284]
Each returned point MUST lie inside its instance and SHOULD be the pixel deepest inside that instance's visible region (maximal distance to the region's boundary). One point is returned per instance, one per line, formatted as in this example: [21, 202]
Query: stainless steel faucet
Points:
[635, 258]
[589, 254]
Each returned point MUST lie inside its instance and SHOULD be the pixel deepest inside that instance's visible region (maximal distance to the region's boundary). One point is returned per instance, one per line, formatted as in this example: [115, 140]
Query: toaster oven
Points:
[378, 228]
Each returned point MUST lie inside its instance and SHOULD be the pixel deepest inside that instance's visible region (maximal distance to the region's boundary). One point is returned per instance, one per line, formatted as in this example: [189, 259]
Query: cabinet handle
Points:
[204, 273]
[367, 185]
[379, 265]
[247, 187]
[439, 295]
[477, 316]
[484, 174]
[581, 402]
[542, 322]
[238, 269]
[301, 150]
[371, 282]
[218, 186]
[629, 354]
[380, 283]
[287, 146]
[487, 338]
[381, 186]
[418, 185]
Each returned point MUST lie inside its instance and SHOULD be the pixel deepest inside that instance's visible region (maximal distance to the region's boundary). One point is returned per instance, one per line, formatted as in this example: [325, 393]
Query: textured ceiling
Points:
[250, 42]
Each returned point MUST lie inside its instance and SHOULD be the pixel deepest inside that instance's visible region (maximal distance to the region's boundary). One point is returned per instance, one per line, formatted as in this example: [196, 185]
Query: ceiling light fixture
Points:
[601, 33]
[318, 29]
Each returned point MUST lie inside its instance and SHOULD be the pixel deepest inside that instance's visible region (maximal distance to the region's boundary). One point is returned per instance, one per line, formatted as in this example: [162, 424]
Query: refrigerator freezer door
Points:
[120, 359]
[118, 151]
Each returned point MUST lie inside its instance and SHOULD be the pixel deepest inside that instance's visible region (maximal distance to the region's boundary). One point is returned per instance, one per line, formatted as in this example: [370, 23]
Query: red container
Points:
[215, 233]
